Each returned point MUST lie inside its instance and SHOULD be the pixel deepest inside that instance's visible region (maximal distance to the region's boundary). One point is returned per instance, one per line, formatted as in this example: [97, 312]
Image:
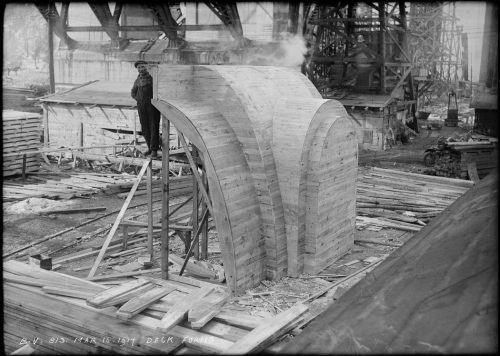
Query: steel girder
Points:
[106, 19]
[49, 13]
[167, 23]
[228, 14]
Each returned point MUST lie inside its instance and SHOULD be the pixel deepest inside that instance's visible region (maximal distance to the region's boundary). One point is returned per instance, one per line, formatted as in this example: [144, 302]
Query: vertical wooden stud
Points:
[194, 216]
[149, 183]
[165, 198]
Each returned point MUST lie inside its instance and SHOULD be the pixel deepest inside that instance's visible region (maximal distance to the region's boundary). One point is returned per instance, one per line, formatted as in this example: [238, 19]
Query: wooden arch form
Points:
[278, 160]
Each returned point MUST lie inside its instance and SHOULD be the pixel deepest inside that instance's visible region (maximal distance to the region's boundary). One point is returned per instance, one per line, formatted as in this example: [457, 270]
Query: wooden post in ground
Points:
[149, 183]
[166, 189]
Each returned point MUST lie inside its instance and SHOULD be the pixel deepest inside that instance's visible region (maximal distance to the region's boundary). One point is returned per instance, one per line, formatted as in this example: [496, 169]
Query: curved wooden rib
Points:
[237, 215]
[307, 133]
[330, 189]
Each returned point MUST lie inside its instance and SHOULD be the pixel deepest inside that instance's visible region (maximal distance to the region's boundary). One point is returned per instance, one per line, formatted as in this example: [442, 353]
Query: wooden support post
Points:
[165, 198]
[24, 166]
[45, 124]
[51, 55]
[81, 135]
[382, 50]
[118, 219]
[149, 183]
[194, 242]
[204, 225]
[194, 216]
[196, 174]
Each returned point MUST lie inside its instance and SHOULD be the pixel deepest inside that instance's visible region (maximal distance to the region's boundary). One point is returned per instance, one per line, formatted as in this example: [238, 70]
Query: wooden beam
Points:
[165, 216]
[149, 182]
[180, 310]
[194, 169]
[194, 241]
[137, 304]
[119, 218]
[194, 215]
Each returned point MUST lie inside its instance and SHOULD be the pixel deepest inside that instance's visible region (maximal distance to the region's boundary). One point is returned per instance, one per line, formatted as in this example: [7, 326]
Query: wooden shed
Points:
[95, 114]
[374, 114]
[281, 164]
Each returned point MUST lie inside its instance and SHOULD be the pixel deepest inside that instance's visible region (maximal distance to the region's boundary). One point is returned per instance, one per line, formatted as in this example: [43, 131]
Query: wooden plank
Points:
[193, 268]
[120, 216]
[74, 210]
[83, 320]
[194, 170]
[135, 305]
[67, 292]
[205, 311]
[98, 299]
[125, 274]
[273, 327]
[180, 310]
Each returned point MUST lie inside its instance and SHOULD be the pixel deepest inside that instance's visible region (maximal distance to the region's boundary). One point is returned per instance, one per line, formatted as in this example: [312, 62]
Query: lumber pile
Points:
[436, 294]
[280, 162]
[77, 185]
[484, 155]
[70, 315]
[404, 201]
[455, 162]
[21, 132]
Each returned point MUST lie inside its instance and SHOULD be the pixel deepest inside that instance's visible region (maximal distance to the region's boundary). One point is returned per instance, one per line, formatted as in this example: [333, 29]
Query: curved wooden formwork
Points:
[248, 102]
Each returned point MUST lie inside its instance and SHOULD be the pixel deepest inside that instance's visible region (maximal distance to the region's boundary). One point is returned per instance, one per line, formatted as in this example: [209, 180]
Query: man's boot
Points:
[147, 153]
[154, 154]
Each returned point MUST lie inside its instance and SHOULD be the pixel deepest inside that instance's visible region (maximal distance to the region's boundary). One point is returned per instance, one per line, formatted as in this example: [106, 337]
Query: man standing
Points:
[149, 116]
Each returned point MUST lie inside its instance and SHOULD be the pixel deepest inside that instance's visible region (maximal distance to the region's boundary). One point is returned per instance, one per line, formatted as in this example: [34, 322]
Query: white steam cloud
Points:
[288, 52]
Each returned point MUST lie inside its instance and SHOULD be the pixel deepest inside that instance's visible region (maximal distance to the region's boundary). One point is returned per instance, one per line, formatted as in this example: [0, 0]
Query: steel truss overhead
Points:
[228, 14]
[438, 46]
[167, 23]
[110, 22]
[358, 47]
[59, 22]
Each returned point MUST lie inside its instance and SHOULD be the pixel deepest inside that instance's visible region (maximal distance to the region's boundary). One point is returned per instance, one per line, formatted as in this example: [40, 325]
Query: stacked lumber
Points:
[144, 315]
[483, 154]
[264, 154]
[21, 132]
[436, 294]
[402, 200]
[77, 185]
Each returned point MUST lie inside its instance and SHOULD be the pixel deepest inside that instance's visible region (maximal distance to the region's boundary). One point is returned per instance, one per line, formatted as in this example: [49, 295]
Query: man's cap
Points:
[139, 62]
